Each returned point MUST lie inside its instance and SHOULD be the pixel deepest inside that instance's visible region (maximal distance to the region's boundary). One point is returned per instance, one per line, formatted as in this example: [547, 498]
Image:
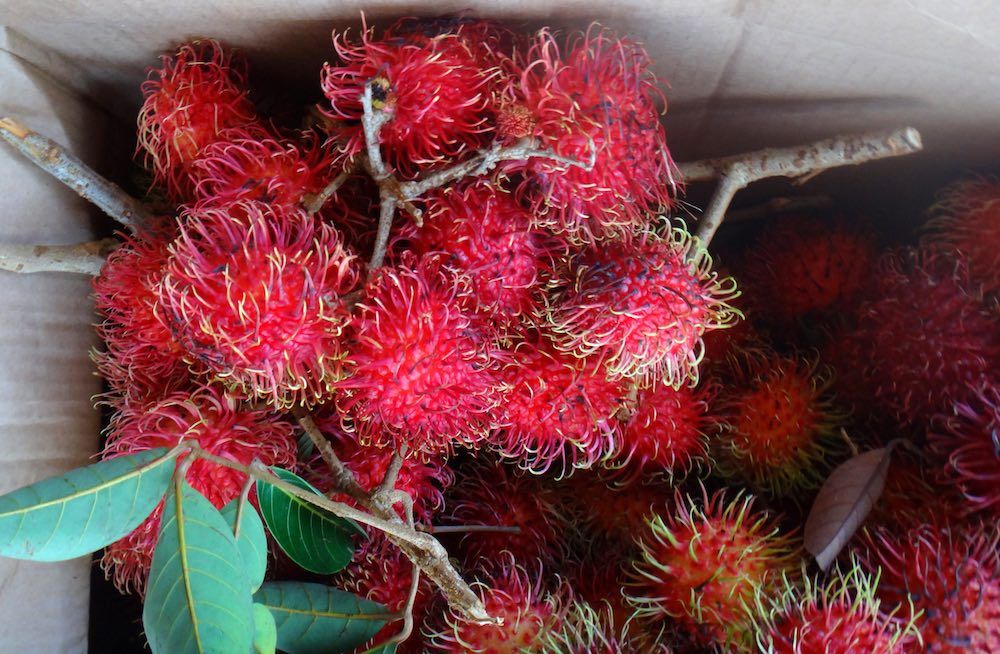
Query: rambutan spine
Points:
[965, 222]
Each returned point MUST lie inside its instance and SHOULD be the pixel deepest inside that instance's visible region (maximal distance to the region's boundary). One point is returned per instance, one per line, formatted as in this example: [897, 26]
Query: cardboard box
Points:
[743, 73]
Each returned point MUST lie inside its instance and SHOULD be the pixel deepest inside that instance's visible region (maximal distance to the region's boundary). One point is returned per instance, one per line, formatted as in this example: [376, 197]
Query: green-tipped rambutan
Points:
[586, 629]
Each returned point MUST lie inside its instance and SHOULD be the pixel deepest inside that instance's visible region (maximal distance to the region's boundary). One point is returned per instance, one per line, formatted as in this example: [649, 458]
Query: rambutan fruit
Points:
[966, 221]
[666, 433]
[921, 337]
[597, 103]
[514, 596]
[436, 89]
[969, 440]
[586, 629]
[141, 359]
[640, 307]
[493, 495]
[487, 235]
[198, 92]
[805, 266]
[840, 617]
[559, 409]
[779, 427]
[255, 165]
[607, 506]
[221, 427]
[423, 373]
[911, 497]
[703, 565]
[254, 293]
[946, 580]
[424, 479]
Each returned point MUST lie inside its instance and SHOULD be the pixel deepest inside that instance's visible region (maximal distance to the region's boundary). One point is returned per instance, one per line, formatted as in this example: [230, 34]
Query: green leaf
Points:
[82, 511]
[317, 619]
[198, 598]
[251, 541]
[315, 539]
[265, 633]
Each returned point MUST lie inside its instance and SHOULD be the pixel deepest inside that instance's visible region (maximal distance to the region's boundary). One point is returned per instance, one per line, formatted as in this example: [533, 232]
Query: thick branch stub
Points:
[81, 258]
[53, 159]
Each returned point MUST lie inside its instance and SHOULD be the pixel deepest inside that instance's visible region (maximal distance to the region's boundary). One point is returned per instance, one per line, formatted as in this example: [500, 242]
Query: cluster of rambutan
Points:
[535, 345]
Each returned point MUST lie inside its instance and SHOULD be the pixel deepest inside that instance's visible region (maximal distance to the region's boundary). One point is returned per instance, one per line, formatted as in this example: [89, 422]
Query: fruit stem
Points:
[82, 258]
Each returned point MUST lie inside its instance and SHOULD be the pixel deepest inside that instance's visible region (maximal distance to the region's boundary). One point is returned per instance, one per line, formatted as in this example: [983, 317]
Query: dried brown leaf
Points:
[844, 502]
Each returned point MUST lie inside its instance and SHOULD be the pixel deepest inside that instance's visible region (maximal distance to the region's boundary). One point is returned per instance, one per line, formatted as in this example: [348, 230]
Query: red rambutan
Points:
[493, 495]
[841, 617]
[616, 510]
[436, 89]
[586, 629]
[803, 266]
[969, 439]
[779, 427]
[910, 498]
[422, 372]
[921, 338]
[666, 433]
[559, 409]
[640, 307]
[598, 103]
[254, 294]
[487, 235]
[703, 565]
[945, 580]
[197, 93]
[966, 221]
[526, 611]
[221, 427]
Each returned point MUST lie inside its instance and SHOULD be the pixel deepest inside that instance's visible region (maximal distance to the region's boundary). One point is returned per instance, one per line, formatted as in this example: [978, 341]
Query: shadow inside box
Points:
[115, 619]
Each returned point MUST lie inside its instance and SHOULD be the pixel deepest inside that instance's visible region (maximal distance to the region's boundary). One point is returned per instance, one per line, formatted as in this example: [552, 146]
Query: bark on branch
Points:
[82, 258]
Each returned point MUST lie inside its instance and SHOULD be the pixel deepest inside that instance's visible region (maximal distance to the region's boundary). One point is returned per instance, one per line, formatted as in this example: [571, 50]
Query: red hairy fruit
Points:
[966, 222]
[515, 597]
[586, 629]
[436, 90]
[381, 573]
[221, 427]
[141, 359]
[921, 337]
[597, 103]
[492, 42]
[254, 294]
[804, 266]
[255, 165]
[779, 427]
[422, 371]
[910, 496]
[703, 565]
[487, 235]
[946, 580]
[424, 479]
[640, 306]
[559, 410]
[197, 92]
[492, 494]
[841, 617]
[968, 438]
[666, 434]
[604, 506]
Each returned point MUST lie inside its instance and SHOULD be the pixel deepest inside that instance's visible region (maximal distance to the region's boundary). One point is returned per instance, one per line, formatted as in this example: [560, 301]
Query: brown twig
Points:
[82, 258]
[53, 158]
[392, 473]
[734, 173]
[312, 203]
[343, 478]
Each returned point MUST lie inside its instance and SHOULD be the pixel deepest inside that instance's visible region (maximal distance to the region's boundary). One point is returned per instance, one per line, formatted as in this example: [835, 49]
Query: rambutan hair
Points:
[423, 372]
[197, 92]
[221, 427]
[586, 629]
[254, 293]
[965, 222]
[436, 88]
[703, 565]
[141, 359]
[492, 494]
[779, 427]
[517, 597]
[912, 495]
[921, 337]
[841, 616]
[603, 506]
[559, 410]
[598, 102]
[487, 235]
[640, 306]
[805, 266]
[943, 578]
[968, 438]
